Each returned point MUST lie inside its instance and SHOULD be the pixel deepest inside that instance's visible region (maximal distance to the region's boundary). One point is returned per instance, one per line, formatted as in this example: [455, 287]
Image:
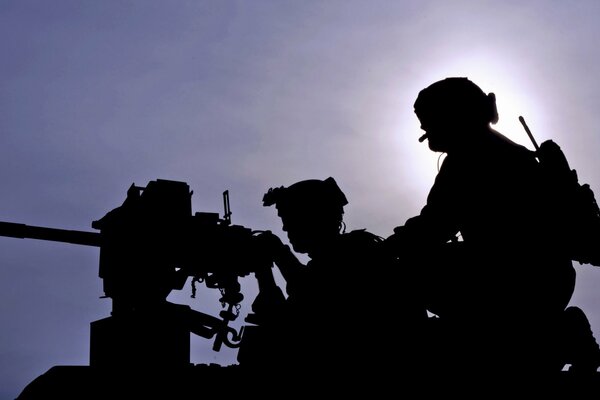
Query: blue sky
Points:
[243, 96]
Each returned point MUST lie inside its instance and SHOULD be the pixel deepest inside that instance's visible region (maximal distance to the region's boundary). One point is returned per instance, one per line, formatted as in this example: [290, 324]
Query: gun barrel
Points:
[22, 231]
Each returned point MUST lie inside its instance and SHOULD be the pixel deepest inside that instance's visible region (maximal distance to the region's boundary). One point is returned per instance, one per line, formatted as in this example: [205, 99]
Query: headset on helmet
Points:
[457, 96]
[307, 194]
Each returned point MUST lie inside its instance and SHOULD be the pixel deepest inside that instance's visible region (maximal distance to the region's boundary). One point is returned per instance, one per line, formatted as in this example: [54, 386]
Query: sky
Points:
[244, 96]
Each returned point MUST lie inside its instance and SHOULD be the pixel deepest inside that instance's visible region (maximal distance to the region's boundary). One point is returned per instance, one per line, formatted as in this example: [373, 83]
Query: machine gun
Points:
[150, 245]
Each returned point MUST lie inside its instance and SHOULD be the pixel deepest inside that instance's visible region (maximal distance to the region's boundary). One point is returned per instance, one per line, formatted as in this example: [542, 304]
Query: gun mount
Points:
[149, 246]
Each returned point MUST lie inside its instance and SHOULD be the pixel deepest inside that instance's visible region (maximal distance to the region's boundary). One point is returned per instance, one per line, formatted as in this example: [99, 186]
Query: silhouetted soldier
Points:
[335, 320]
[485, 246]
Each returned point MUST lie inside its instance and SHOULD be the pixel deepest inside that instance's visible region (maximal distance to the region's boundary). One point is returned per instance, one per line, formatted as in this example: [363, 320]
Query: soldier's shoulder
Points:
[362, 236]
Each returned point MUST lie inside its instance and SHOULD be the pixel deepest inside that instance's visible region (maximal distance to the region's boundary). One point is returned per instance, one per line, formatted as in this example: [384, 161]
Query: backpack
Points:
[574, 203]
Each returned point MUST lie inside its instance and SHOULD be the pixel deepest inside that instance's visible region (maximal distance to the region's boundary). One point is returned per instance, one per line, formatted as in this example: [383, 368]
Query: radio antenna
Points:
[522, 120]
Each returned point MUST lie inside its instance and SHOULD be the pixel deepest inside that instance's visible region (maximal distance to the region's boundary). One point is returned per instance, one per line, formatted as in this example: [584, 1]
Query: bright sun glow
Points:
[488, 71]
[506, 81]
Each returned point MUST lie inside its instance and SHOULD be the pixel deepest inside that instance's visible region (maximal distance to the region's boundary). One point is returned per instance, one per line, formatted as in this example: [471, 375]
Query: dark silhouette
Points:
[149, 246]
[489, 257]
[491, 262]
[575, 212]
[339, 305]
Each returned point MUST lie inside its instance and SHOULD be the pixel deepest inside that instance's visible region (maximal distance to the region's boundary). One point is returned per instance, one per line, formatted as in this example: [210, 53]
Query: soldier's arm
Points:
[287, 262]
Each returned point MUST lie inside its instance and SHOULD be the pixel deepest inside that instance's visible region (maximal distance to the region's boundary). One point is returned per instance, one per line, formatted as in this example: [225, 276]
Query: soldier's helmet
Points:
[456, 98]
[315, 196]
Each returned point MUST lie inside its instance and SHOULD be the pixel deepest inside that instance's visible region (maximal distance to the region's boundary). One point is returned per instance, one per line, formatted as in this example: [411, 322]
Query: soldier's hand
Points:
[271, 245]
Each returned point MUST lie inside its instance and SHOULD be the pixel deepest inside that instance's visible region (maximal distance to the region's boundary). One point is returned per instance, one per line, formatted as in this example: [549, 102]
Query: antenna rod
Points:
[522, 120]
